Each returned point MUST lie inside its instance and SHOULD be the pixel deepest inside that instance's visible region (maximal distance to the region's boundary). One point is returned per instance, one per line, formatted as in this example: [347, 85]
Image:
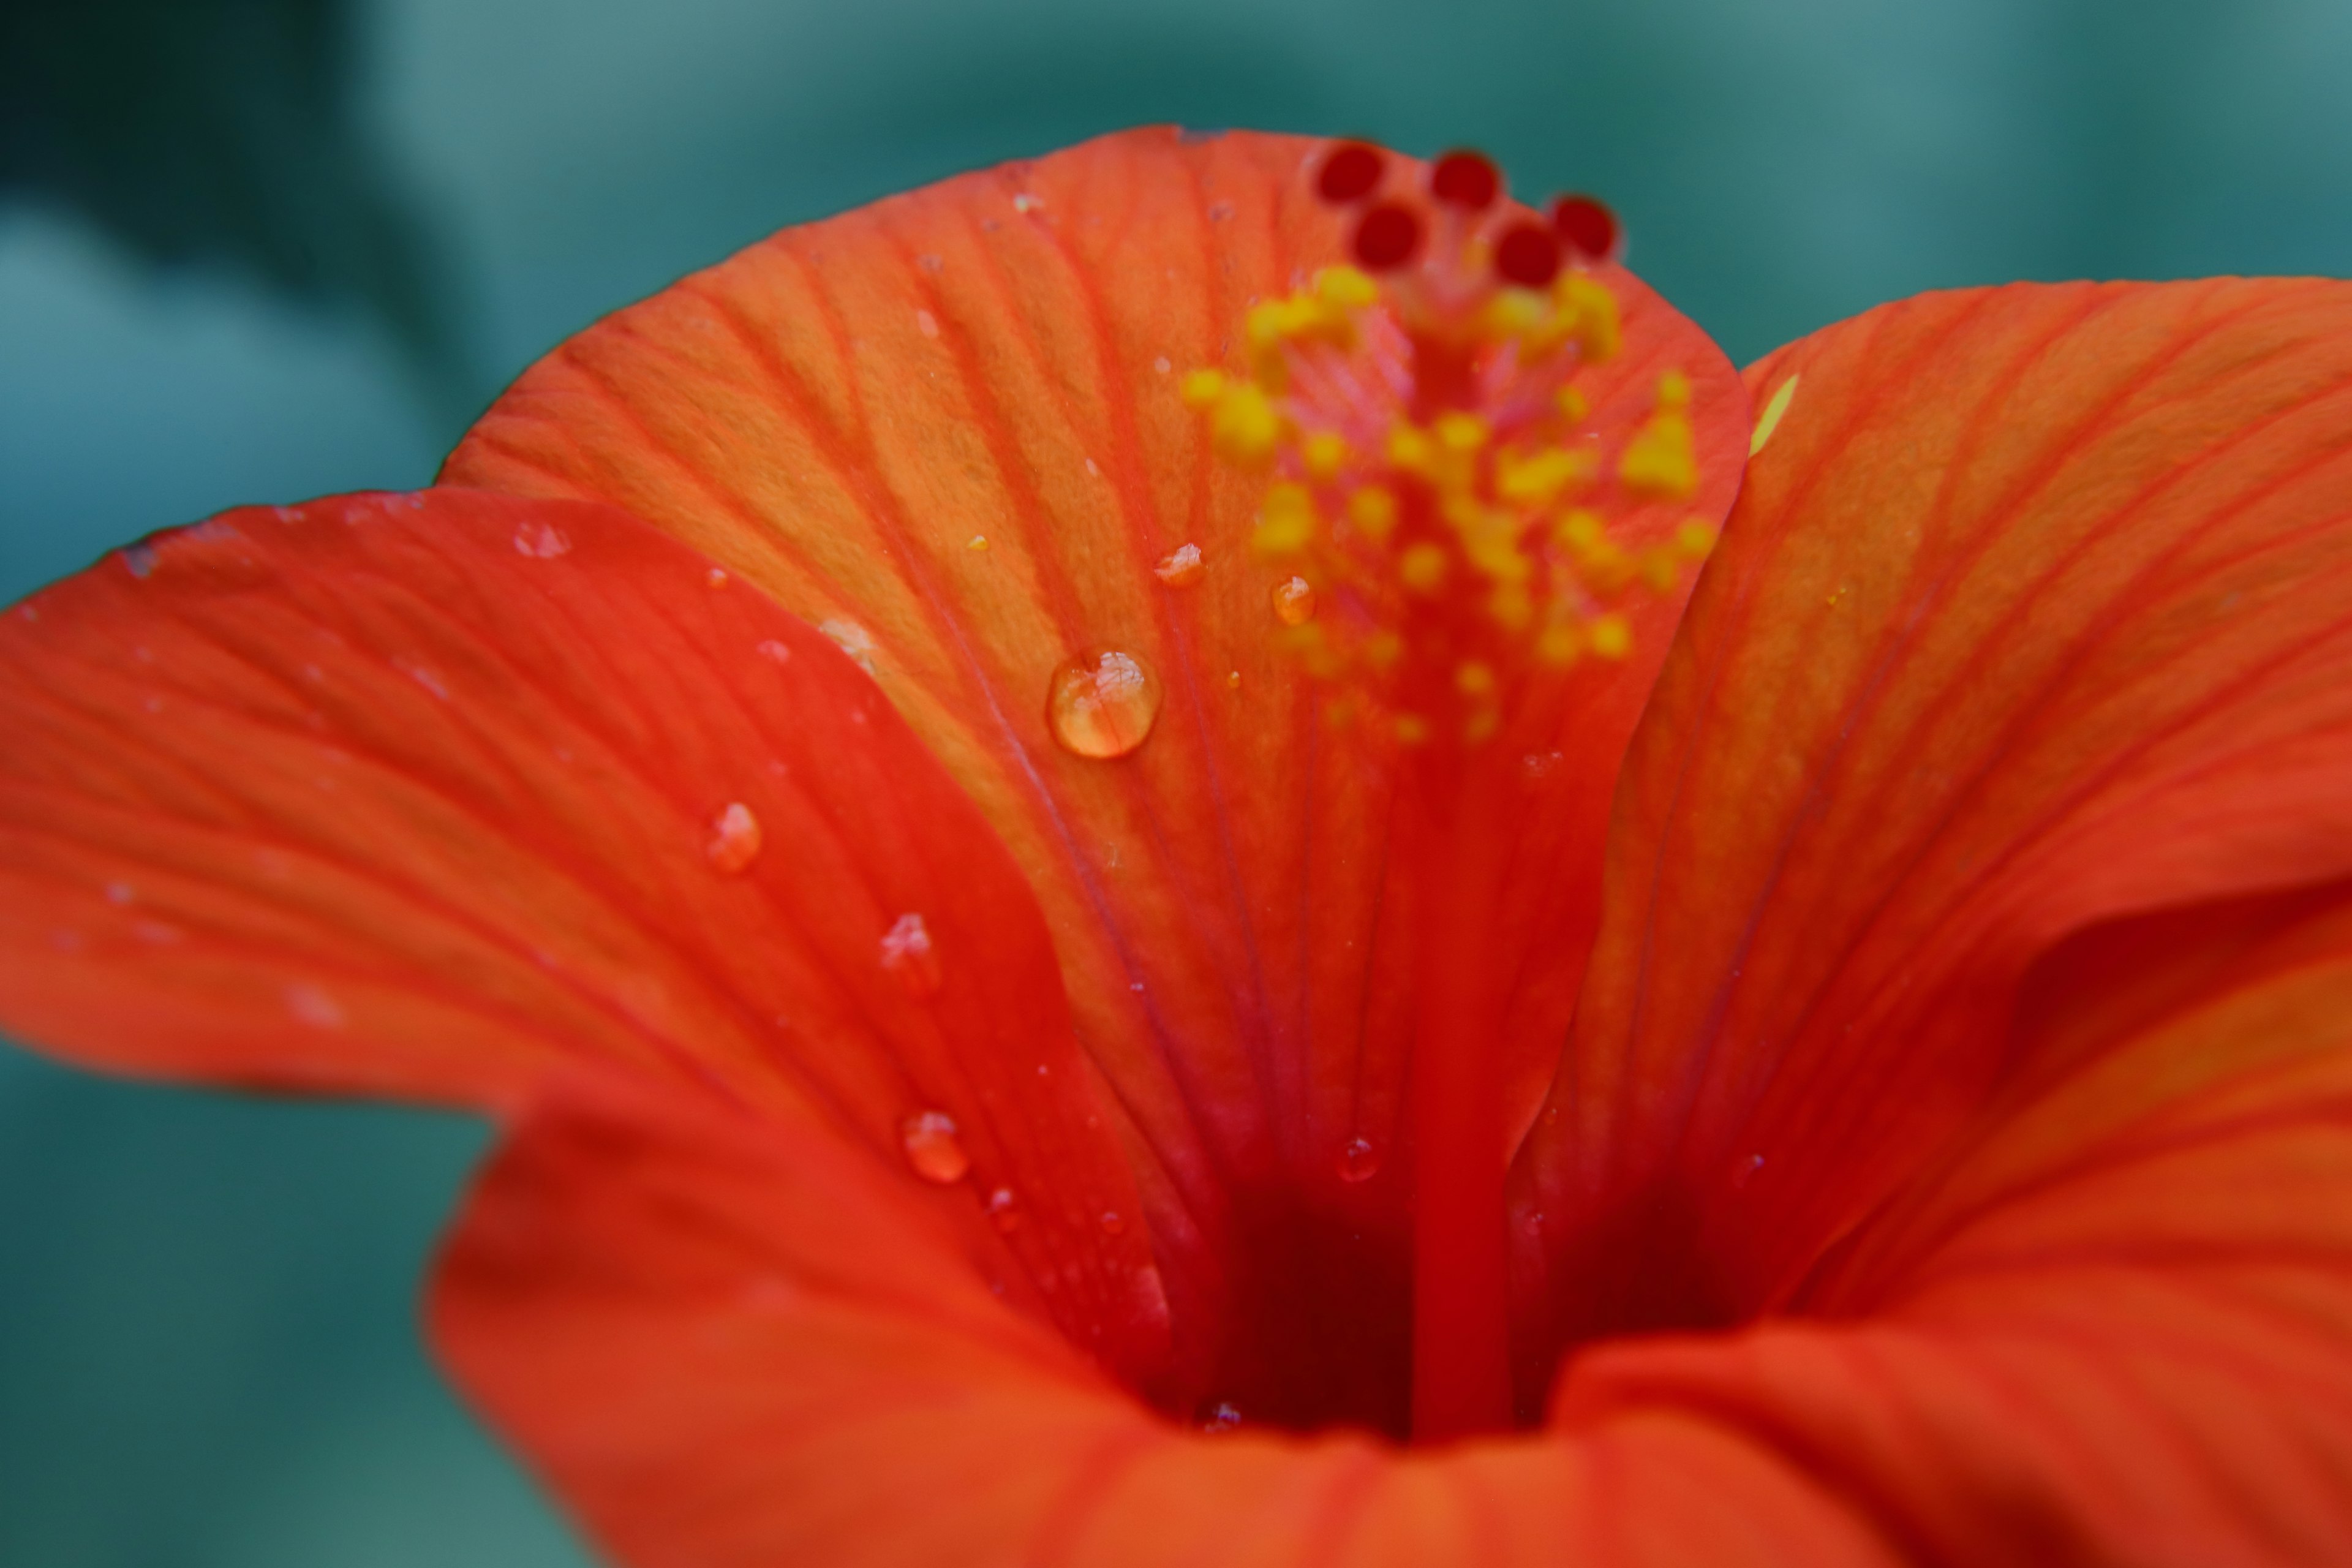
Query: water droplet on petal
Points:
[1223, 1416]
[781, 653]
[1103, 703]
[1294, 602]
[1181, 567]
[311, 1005]
[1112, 1224]
[716, 577]
[929, 1137]
[139, 559]
[542, 541]
[1004, 1209]
[852, 640]
[734, 839]
[927, 323]
[1359, 1161]
[907, 953]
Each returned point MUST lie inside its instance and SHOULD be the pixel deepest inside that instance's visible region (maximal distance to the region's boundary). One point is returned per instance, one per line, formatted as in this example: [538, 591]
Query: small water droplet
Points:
[542, 541]
[929, 1137]
[1004, 1209]
[311, 1005]
[120, 892]
[734, 839]
[1163, 365]
[781, 653]
[1748, 1167]
[852, 640]
[1234, 680]
[423, 677]
[927, 323]
[929, 263]
[1112, 1224]
[1220, 211]
[978, 542]
[1022, 202]
[1359, 1161]
[1294, 602]
[716, 577]
[1223, 1417]
[1181, 567]
[138, 558]
[1533, 1223]
[907, 953]
[1103, 703]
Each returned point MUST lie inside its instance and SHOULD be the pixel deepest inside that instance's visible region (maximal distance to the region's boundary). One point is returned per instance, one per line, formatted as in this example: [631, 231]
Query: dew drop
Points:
[1181, 567]
[1294, 602]
[1111, 1223]
[780, 653]
[120, 893]
[734, 839]
[907, 953]
[542, 541]
[139, 559]
[1359, 1161]
[1004, 1209]
[929, 1138]
[1102, 703]
[927, 323]
[716, 577]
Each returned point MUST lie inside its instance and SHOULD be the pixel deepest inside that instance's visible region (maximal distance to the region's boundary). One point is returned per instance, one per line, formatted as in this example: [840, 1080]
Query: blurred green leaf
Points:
[223, 132]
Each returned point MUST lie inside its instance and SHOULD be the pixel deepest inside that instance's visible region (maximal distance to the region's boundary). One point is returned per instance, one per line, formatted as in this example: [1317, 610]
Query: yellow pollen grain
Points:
[1662, 461]
[1459, 432]
[1421, 568]
[1473, 678]
[1580, 531]
[1557, 644]
[1538, 481]
[1373, 510]
[1612, 636]
[1673, 390]
[1570, 401]
[1775, 407]
[1246, 427]
[1325, 452]
[1412, 449]
[1588, 316]
[1287, 525]
[1203, 388]
[1347, 288]
[1694, 538]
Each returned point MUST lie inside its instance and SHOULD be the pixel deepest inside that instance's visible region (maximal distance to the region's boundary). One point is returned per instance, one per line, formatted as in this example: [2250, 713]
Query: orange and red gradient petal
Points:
[2036, 610]
[434, 794]
[2113, 1323]
[949, 427]
[728, 1351]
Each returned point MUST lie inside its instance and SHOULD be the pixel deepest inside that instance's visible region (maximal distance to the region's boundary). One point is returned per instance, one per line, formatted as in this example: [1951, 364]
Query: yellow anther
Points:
[1411, 729]
[1522, 314]
[1557, 644]
[1661, 461]
[1421, 568]
[1294, 601]
[1459, 432]
[1325, 452]
[1572, 403]
[1673, 390]
[1588, 317]
[1580, 531]
[1246, 427]
[1473, 678]
[1347, 288]
[1612, 636]
[1776, 407]
[1411, 449]
[1287, 523]
[1373, 510]
[1203, 388]
[1539, 479]
[1382, 649]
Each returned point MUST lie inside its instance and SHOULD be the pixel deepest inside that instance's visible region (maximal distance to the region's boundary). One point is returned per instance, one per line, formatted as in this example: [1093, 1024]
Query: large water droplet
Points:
[734, 839]
[907, 953]
[1294, 601]
[1183, 567]
[1102, 703]
[1359, 1161]
[929, 1137]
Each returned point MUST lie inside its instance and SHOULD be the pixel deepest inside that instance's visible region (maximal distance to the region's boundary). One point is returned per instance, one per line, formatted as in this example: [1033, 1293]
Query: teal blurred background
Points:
[264, 250]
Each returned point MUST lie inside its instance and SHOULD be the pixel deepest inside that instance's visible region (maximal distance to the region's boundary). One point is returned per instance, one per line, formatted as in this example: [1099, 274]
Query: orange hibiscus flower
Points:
[1853, 1068]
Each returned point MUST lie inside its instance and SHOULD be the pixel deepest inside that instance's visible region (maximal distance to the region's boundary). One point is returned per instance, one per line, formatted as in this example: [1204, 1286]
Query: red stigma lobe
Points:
[1348, 174]
[1585, 225]
[1466, 180]
[1386, 239]
[1527, 256]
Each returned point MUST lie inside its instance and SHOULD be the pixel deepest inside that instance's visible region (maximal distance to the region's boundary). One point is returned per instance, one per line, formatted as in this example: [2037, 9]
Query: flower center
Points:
[1443, 513]
[1437, 497]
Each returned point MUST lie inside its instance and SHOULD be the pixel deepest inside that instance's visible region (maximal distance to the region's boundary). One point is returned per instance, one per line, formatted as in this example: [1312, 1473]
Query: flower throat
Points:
[1440, 516]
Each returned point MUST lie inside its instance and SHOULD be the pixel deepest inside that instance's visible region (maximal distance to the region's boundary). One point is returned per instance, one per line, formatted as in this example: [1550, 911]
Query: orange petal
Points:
[432, 795]
[2036, 610]
[2113, 1323]
[845, 413]
[726, 1351]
